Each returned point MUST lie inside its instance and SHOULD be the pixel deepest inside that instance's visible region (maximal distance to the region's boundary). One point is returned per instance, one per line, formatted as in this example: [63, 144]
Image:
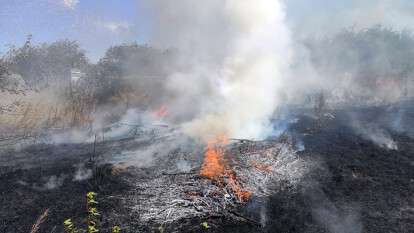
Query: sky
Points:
[321, 17]
[98, 24]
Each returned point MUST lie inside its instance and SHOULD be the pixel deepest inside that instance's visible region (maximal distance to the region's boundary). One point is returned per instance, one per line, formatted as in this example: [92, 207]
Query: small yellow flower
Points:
[93, 211]
[91, 195]
[92, 229]
[91, 198]
[205, 225]
[68, 222]
[69, 226]
[91, 201]
[116, 229]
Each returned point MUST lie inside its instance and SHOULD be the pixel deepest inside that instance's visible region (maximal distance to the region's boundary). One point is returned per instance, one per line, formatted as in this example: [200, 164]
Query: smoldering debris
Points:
[82, 173]
[260, 165]
[228, 75]
[337, 221]
[378, 136]
[52, 182]
[190, 196]
[373, 131]
[167, 189]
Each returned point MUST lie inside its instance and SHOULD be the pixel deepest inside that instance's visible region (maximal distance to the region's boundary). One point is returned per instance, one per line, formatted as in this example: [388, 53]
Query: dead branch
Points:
[39, 221]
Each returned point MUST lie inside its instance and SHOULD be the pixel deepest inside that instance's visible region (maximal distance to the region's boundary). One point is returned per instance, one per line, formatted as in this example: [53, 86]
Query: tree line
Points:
[371, 57]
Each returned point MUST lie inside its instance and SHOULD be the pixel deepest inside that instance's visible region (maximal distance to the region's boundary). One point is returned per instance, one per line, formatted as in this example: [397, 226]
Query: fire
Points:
[214, 168]
[161, 112]
[237, 188]
[262, 167]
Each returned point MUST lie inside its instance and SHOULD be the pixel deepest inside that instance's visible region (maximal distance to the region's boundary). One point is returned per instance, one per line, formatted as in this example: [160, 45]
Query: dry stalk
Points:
[39, 221]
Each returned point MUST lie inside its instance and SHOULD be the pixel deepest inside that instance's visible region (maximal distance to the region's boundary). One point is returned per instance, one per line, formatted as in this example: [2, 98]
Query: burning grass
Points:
[215, 168]
[214, 165]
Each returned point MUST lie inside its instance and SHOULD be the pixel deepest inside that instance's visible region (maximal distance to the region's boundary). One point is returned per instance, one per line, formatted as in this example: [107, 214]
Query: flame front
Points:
[161, 112]
[237, 188]
[214, 168]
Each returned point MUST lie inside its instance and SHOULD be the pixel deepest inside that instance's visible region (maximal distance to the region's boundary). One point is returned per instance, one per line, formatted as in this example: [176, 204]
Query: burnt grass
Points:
[22, 202]
[358, 186]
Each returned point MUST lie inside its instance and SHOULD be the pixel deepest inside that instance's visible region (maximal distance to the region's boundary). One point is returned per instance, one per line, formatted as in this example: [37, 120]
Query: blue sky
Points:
[319, 17]
[98, 24]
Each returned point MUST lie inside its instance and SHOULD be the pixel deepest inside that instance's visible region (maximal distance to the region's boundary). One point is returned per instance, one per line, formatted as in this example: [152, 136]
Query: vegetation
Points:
[205, 225]
[368, 54]
[371, 58]
[367, 63]
[93, 213]
[39, 221]
[49, 97]
[42, 65]
[92, 218]
[129, 70]
[69, 226]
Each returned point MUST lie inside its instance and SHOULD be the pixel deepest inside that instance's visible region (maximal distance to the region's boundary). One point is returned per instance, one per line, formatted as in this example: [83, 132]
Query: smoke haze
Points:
[236, 62]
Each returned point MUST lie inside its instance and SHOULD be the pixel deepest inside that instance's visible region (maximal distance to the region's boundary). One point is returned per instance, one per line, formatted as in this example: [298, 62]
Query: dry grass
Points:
[27, 114]
[33, 111]
[41, 219]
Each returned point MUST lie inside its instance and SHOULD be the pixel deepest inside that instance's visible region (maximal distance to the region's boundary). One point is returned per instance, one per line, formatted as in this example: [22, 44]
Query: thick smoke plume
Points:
[234, 55]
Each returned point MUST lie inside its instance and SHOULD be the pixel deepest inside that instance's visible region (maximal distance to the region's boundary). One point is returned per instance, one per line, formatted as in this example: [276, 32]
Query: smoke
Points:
[82, 173]
[238, 62]
[321, 17]
[235, 55]
[334, 216]
[373, 131]
[52, 182]
[380, 137]
[174, 149]
[143, 157]
[71, 4]
[337, 221]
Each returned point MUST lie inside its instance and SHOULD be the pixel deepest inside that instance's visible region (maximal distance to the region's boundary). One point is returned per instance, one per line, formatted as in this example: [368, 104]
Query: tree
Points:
[131, 68]
[42, 65]
[373, 58]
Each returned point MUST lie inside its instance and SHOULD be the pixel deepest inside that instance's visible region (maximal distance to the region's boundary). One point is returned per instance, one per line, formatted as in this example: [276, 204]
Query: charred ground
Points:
[351, 183]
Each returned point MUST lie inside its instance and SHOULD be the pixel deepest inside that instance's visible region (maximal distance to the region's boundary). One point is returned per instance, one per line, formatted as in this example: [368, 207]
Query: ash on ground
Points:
[321, 175]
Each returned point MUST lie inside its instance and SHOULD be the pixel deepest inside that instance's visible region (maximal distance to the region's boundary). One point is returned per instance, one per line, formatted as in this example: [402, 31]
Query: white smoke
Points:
[52, 182]
[82, 173]
[374, 133]
[235, 54]
[337, 221]
[71, 4]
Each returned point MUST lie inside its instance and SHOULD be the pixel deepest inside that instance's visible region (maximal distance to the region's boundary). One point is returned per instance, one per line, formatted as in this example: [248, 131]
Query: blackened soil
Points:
[359, 186]
[24, 197]
[356, 185]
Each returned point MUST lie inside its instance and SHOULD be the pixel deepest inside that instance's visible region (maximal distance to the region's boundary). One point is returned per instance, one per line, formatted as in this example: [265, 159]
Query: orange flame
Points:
[161, 112]
[241, 194]
[262, 167]
[214, 168]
